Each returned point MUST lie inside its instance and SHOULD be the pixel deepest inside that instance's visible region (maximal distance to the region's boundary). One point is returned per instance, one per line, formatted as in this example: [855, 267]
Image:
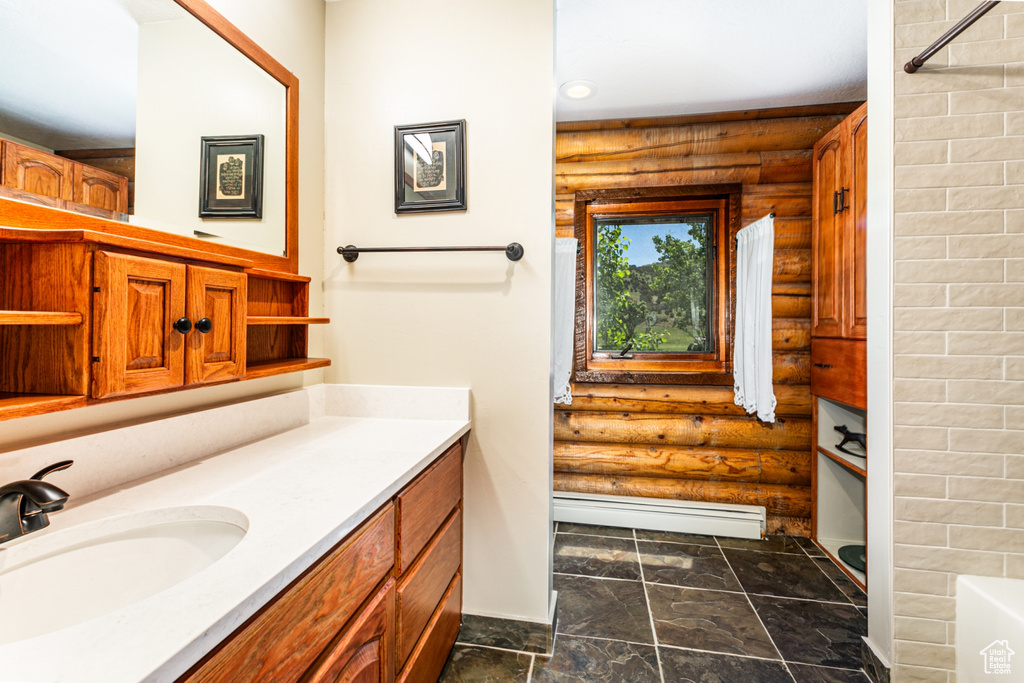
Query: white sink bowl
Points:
[67, 577]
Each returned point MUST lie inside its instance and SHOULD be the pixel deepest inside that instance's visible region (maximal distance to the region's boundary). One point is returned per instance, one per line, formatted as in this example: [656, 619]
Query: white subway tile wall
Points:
[958, 321]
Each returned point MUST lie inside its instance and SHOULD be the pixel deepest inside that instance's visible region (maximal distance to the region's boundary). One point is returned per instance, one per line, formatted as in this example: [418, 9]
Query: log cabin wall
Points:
[692, 442]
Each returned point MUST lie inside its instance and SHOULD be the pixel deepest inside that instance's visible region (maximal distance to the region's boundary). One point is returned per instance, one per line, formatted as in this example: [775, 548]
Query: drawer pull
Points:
[182, 325]
[823, 366]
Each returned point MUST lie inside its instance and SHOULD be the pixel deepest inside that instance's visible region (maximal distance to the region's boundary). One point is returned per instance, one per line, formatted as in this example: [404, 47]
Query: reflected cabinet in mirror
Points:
[103, 108]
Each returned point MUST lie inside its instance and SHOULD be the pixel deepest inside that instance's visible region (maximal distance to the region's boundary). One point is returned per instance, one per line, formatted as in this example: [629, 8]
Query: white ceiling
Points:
[666, 57]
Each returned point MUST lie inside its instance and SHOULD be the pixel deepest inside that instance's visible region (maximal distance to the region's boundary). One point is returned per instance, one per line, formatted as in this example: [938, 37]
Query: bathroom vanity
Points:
[347, 558]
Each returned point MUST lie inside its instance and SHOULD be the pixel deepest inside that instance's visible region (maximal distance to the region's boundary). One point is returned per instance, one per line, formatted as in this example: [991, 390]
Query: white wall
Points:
[471, 320]
[291, 31]
[879, 344]
[192, 84]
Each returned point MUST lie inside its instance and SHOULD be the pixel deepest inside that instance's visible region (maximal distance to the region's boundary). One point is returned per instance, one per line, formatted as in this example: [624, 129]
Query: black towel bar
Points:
[944, 40]
[514, 251]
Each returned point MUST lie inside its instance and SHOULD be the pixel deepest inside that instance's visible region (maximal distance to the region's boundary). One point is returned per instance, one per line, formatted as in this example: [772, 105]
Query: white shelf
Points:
[832, 546]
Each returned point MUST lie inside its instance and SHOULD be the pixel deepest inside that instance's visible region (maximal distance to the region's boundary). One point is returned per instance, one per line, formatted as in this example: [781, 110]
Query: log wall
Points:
[692, 442]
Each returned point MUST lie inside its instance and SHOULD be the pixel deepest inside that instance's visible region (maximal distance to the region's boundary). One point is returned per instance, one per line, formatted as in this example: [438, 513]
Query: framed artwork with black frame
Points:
[231, 174]
[430, 167]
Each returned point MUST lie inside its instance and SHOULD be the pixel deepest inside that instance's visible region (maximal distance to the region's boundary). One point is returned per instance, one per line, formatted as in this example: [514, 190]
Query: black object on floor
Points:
[855, 556]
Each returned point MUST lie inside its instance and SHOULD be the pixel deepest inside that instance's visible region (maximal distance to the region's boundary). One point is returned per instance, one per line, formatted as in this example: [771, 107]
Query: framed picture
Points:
[231, 173]
[430, 167]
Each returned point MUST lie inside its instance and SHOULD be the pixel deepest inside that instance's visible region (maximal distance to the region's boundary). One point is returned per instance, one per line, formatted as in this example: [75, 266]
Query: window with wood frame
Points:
[655, 296]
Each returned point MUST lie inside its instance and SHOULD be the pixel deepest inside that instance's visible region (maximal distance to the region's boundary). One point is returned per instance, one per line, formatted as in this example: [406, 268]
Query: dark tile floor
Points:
[656, 607]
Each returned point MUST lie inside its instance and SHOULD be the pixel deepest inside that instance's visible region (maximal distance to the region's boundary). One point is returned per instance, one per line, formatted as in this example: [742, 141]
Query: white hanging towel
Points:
[752, 349]
[564, 323]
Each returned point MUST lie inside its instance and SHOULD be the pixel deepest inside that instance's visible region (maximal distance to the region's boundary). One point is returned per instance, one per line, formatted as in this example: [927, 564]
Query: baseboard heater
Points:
[685, 516]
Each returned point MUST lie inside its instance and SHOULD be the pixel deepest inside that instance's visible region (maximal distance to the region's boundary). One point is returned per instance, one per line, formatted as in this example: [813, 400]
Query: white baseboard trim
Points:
[684, 516]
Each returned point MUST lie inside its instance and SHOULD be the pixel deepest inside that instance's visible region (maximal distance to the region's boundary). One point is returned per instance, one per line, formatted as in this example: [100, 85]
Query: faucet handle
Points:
[50, 469]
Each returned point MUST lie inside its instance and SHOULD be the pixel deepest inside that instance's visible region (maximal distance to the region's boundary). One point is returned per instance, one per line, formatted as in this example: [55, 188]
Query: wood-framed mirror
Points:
[26, 210]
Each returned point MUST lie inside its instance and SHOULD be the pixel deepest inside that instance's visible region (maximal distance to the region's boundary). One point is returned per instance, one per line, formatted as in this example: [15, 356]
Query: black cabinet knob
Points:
[183, 325]
[204, 325]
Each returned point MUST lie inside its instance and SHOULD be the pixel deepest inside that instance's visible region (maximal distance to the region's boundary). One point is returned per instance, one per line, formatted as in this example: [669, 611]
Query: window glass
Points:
[654, 284]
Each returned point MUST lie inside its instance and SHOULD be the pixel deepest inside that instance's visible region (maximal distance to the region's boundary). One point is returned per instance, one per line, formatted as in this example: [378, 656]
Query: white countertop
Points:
[302, 491]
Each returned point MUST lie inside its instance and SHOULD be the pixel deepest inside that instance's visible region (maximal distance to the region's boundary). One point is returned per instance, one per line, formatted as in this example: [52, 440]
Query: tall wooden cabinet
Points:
[838, 337]
[839, 230]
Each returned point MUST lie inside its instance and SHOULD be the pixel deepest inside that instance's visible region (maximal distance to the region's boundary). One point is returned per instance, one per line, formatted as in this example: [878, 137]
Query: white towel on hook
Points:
[752, 348]
[564, 323]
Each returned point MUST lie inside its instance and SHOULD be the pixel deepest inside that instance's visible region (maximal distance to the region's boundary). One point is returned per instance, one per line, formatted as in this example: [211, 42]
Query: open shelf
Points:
[852, 462]
[832, 414]
[841, 500]
[39, 318]
[14, 405]
[286, 365]
[284, 320]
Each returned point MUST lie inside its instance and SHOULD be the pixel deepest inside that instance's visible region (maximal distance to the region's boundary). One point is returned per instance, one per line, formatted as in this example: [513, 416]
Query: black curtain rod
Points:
[979, 11]
[350, 253]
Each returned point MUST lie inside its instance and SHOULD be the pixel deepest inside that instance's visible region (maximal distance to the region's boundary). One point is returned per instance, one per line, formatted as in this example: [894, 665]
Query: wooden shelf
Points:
[39, 318]
[847, 461]
[280, 367]
[285, 320]
[276, 275]
[22, 405]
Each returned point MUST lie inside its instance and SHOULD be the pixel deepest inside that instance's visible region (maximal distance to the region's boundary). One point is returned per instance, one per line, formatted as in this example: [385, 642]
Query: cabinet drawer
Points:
[285, 639]
[839, 370]
[428, 659]
[426, 503]
[421, 589]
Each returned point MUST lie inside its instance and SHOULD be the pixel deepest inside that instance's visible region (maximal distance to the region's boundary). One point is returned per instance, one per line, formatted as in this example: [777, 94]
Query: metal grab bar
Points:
[514, 251]
[962, 25]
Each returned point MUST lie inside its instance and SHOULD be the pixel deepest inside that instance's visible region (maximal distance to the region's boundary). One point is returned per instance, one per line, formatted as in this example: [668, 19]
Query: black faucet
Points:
[24, 504]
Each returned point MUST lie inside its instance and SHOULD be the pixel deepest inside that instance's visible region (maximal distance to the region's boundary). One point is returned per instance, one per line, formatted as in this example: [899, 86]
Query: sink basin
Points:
[67, 577]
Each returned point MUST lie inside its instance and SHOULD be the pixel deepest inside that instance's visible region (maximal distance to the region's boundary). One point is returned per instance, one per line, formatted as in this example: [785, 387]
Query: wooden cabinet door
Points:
[856, 275]
[218, 353]
[365, 652]
[135, 346]
[28, 169]
[99, 188]
[827, 307]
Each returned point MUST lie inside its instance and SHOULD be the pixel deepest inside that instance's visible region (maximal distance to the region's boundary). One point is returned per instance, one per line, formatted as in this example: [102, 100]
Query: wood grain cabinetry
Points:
[32, 172]
[838, 338]
[839, 229]
[86, 317]
[161, 324]
[364, 651]
[355, 616]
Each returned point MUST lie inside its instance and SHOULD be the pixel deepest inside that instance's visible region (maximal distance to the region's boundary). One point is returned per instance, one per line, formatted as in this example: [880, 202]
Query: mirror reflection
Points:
[103, 105]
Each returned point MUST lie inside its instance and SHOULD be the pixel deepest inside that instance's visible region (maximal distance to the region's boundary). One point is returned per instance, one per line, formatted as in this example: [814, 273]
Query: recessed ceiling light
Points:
[578, 89]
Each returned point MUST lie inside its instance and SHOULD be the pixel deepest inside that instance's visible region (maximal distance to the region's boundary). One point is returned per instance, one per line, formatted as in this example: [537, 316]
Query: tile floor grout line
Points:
[650, 613]
[849, 598]
[789, 597]
[591, 576]
[723, 654]
[492, 647]
[609, 640]
[529, 672]
[759, 620]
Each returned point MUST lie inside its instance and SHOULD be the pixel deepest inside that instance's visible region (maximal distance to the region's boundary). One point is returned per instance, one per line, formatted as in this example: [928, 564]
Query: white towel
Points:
[752, 348]
[564, 323]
